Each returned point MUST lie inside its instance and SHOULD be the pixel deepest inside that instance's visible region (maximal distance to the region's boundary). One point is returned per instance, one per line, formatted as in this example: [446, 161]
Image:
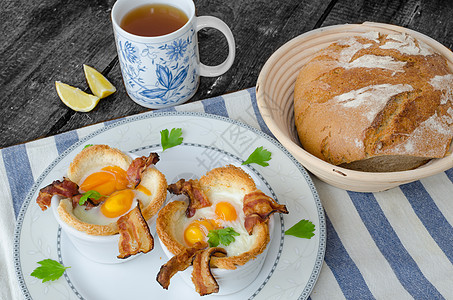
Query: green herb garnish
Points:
[49, 270]
[260, 156]
[302, 229]
[87, 145]
[170, 139]
[89, 194]
[224, 236]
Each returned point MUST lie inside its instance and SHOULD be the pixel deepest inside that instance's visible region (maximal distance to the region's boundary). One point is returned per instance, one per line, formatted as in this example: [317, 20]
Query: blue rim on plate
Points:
[320, 251]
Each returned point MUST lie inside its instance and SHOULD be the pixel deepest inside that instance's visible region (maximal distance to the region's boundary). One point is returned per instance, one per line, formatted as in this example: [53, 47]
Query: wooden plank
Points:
[432, 18]
[47, 41]
[260, 28]
[50, 40]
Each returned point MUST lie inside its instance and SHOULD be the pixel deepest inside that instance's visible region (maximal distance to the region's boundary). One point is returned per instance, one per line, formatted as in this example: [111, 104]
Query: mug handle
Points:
[213, 71]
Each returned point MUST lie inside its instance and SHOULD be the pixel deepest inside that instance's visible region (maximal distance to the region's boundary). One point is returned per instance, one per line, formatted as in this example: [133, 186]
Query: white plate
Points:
[292, 265]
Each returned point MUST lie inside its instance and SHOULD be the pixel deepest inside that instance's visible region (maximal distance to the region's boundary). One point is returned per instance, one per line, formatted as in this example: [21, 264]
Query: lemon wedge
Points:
[75, 98]
[98, 84]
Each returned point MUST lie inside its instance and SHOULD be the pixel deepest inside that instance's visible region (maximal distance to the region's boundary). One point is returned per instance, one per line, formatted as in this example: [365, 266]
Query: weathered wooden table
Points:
[50, 40]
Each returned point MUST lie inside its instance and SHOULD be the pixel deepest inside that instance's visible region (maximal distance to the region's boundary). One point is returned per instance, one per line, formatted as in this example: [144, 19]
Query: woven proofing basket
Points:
[274, 91]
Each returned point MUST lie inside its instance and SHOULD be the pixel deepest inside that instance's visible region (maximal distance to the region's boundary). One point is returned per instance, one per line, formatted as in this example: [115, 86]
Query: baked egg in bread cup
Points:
[100, 249]
[226, 198]
[107, 203]
[374, 48]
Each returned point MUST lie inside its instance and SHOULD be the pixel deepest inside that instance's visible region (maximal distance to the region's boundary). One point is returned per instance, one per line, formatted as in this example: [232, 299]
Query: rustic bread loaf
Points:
[375, 103]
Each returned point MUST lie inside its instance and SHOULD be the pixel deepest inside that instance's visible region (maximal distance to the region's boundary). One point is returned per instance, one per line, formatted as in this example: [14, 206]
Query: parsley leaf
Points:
[223, 236]
[49, 270]
[171, 139]
[87, 145]
[302, 229]
[89, 194]
[260, 156]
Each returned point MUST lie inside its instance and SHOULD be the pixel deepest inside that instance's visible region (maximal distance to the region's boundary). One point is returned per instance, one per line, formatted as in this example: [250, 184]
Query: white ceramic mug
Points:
[163, 71]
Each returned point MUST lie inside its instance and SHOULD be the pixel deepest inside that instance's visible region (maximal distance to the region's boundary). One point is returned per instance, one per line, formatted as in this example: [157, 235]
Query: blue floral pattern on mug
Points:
[170, 84]
[171, 66]
[129, 53]
[176, 50]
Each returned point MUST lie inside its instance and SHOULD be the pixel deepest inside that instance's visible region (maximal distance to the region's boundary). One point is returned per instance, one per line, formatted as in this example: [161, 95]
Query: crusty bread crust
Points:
[228, 177]
[66, 213]
[261, 231]
[156, 183]
[166, 225]
[96, 157]
[375, 95]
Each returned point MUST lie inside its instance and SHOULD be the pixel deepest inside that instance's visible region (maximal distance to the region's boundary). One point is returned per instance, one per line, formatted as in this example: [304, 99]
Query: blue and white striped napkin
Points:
[396, 244]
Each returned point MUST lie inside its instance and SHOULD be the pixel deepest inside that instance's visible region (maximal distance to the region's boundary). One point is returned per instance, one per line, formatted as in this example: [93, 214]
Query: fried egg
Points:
[103, 169]
[225, 188]
[225, 211]
[111, 182]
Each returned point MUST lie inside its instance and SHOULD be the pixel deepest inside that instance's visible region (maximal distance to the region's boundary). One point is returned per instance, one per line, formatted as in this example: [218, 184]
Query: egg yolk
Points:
[117, 203]
[107, 181]
[198, 230]
[226, 211]
[144, 190]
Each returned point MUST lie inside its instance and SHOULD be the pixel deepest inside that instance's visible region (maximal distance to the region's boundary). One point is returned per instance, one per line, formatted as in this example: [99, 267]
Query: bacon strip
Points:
[178, 263]
[65, 188]
[202, 277]
[258, 208]
[135, 236]
[89, 204]
[138, 166]
[192, 189]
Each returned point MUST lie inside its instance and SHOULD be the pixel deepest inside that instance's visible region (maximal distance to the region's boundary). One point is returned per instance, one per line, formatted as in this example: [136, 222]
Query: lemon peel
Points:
[75, 98]
[99, 85]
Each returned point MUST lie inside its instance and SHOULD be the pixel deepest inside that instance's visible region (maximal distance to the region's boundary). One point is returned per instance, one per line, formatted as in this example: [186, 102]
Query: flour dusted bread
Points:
[375, 102]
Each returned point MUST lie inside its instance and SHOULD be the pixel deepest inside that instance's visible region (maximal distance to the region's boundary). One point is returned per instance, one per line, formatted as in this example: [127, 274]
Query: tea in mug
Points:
[153, 20]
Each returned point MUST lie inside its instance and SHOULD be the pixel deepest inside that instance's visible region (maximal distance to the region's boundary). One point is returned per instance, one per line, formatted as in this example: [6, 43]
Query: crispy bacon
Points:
[138, 166]
[75, 200]
[259, 208]
[192, 189]
[178, 263]
[65, 188]
[89, 204]
[135, 236]
[202, 277]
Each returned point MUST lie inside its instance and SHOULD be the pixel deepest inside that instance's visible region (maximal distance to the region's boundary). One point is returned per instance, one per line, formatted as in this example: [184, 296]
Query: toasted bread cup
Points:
[96, 157]
[229, 180]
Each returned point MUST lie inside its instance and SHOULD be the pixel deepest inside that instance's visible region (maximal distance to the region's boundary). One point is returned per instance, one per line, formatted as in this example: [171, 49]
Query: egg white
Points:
[95, 216]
